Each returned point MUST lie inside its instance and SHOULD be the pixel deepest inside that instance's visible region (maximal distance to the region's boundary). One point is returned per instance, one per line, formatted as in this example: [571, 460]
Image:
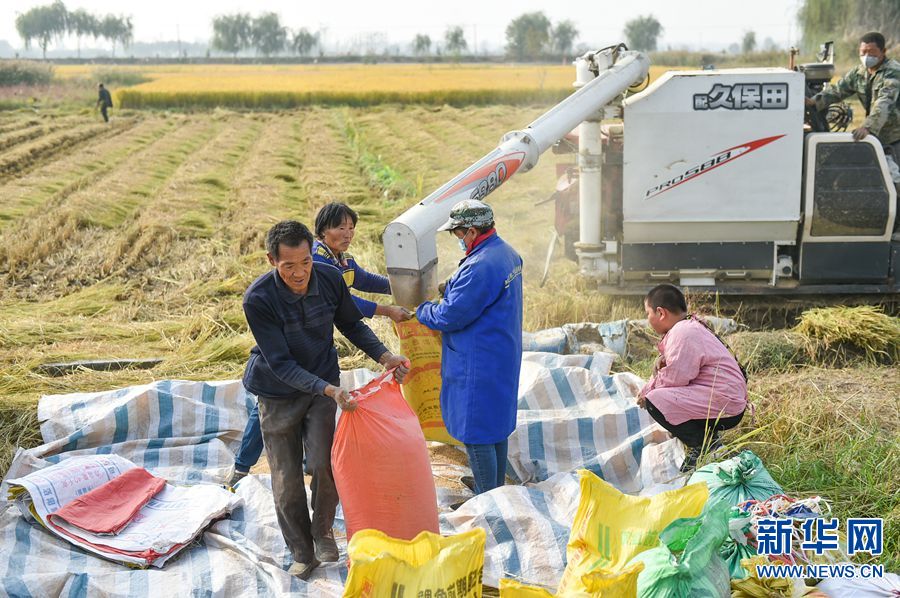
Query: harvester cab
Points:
[836, 117]
[717, 180]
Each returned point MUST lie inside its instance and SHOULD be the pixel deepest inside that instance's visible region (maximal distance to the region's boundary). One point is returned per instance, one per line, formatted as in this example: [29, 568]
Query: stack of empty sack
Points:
[110, 507]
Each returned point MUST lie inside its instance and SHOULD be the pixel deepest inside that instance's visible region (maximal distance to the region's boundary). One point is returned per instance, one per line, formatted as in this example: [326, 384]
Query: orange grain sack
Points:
[381, 465]
[422, 387]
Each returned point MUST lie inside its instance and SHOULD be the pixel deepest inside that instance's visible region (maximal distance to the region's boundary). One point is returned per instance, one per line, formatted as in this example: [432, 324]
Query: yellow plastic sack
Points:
[607, 584]
[510, 588]
[777, 587]
[610, 528]
[422, 387]
[428, 565]
[597, 584]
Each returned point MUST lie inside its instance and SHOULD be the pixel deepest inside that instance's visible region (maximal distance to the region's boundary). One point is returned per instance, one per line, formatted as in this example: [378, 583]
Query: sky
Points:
[687, 24]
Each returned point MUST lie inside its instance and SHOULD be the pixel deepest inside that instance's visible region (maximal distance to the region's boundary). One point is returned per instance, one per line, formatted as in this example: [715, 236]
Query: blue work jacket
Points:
[480, 319]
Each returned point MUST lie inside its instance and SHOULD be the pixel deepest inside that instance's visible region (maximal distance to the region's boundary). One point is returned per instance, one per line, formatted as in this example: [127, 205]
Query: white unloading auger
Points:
[409, 241]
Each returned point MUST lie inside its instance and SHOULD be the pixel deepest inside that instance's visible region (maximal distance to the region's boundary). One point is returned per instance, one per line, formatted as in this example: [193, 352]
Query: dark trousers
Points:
[488, 463]
[103, 109]
[288, 424]
[693, 431]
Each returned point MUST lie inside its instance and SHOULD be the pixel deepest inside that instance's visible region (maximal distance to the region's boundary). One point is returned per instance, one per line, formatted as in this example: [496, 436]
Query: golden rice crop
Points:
[288, 86]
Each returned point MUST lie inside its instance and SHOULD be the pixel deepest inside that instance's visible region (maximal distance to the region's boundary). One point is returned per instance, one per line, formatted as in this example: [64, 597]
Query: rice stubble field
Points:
[137, 239]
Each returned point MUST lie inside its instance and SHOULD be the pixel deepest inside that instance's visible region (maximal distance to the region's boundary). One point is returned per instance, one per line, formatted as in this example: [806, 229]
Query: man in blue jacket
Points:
[292, 311]
[104, 101]
[335, 228]
[480, 318]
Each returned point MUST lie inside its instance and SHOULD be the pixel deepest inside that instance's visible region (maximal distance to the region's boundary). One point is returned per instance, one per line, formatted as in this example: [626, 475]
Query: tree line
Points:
[848, 20]
[236, 32]
[530, 36]
[52, 22]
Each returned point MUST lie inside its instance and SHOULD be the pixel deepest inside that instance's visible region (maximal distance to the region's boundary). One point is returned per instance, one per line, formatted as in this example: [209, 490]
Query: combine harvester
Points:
[717, 180]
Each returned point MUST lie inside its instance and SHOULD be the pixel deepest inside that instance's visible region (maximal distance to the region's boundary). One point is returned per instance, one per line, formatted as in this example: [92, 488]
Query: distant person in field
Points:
[480, 320]
[876, 83]
[335, 227]
[104, 102]
[292, 311]
[697, 388]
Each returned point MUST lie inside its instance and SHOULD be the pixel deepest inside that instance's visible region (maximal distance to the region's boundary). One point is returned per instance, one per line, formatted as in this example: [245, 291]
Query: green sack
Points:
[736, 480]
[687, 561]
[734, 550]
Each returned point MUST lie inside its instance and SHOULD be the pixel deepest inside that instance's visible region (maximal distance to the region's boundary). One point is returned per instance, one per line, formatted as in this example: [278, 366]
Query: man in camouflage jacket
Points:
[876, 82]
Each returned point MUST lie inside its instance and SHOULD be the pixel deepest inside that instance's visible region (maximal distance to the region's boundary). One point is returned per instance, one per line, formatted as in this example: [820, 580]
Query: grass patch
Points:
[381, 176]
[835, 433]
[769, 351]
[214, 182]
[18, 427]
[196, 224]
[569, 297]
[24, 72]
[25, 157]
[286, 100]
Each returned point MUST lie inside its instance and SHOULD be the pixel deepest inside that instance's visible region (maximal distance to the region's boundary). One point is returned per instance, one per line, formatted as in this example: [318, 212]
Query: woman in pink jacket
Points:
[697, 388]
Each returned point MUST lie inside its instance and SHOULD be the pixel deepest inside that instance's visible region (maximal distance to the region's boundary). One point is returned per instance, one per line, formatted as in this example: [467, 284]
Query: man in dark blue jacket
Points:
[480, 318]
[335, 228]
[293, 370]
[104, 101]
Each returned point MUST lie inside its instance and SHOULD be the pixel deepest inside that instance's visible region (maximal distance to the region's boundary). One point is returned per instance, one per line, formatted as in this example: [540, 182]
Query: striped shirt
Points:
[355, 276]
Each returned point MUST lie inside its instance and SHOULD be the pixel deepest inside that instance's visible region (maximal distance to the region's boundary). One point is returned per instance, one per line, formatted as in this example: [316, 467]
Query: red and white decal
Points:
[487, 178]
[723, 157]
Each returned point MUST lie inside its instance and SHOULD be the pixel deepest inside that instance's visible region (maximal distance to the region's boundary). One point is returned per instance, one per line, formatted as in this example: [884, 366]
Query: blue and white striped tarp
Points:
[182, 431]
[573, 414]
[527, 529]
[188, 431]
[528, 526]
[577, 337]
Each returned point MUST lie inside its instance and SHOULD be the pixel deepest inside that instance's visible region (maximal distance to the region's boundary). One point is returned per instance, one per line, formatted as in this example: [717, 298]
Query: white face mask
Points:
[462, 244]
[869, 61]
